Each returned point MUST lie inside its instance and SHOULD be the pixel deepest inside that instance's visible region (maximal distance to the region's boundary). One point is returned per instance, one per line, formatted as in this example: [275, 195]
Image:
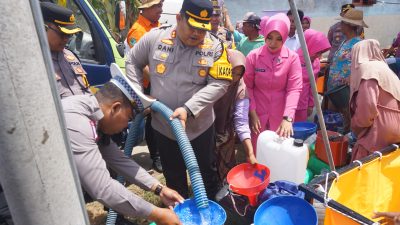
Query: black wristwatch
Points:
[287, 118]
[189, 113]
[158, 189]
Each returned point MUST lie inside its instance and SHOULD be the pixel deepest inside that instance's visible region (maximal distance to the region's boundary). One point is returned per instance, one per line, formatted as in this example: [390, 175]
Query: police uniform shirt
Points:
[82, 112]
[180, 75]
[70, 75]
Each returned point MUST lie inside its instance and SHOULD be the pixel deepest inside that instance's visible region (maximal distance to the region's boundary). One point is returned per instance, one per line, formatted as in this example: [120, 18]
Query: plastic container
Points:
[333, 120]
[285, 210]
[339, 146]
[248, 180]
[189, 214]
[303, 130]
[280, 188]
[316, 165]
[339, 96]
[285, 160]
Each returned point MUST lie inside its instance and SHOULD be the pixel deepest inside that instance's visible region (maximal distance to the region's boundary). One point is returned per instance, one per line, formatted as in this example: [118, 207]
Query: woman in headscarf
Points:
[374, 100]
[339, 70]
[231, 114]
[317, 44]
[306, 23]
[273, 80]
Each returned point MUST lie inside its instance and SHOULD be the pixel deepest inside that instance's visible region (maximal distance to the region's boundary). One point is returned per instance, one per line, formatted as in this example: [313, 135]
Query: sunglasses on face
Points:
[61, 34]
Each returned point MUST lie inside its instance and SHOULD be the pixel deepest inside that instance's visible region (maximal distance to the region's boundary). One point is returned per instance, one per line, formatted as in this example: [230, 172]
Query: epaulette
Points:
[76, 55]
[164, 26]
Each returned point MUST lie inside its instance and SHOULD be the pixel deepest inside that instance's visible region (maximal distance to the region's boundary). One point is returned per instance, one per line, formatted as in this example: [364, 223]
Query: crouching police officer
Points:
[60, 26]
[189, 71]
[90, 120]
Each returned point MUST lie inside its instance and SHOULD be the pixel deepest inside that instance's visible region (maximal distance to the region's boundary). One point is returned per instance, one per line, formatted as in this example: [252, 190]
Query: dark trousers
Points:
[149, 135]
[174, 166]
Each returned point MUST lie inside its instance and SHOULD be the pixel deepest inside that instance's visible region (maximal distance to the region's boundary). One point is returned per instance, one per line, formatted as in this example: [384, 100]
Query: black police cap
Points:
[60, 16]
[198, 13]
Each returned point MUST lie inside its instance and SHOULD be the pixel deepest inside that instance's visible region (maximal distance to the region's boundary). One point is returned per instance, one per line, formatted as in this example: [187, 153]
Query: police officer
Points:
[189, 71]
[69, 73]
[90, 120]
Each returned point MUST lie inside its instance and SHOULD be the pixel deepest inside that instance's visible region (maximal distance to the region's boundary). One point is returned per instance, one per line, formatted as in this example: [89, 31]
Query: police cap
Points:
[60, 16]
[198, 13]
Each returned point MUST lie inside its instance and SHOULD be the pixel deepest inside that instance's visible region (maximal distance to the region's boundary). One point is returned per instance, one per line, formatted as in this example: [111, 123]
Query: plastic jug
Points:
[286, 158]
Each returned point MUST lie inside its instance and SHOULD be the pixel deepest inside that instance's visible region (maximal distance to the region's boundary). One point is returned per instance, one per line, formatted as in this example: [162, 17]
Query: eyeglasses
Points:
[61, 34]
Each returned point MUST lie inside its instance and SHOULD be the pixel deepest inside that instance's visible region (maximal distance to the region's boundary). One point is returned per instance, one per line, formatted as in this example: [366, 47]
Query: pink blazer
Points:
[274, 83]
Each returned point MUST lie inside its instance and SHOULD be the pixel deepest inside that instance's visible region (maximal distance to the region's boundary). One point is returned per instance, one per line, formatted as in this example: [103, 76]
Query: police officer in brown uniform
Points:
[189, 71]
[69, 73]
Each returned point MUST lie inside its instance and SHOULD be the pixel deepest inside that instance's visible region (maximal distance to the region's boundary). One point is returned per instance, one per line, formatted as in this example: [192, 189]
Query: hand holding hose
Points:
[181, 114]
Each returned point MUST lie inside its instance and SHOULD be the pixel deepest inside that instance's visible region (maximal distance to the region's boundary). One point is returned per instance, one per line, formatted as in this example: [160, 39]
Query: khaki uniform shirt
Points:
[82, 112]
[180, 75]
[70, 75]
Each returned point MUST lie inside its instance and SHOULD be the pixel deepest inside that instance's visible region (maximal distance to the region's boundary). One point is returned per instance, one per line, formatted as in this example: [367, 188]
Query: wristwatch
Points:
[287, 118]
[189, 113]
[158, 189]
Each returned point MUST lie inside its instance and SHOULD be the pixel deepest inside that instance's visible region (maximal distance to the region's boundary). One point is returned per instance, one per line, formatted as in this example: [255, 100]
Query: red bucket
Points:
[248, 180]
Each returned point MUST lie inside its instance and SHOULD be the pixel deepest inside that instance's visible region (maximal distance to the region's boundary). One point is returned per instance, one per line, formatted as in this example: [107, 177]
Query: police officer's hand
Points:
[285, 129]
[393, 217]
[164, 217]
[181, 114]
[170, 197]
[255, 124]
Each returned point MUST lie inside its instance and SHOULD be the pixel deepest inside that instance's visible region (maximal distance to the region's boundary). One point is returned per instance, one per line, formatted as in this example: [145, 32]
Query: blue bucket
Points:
[285, 210]
[190, 215]
[303, 130]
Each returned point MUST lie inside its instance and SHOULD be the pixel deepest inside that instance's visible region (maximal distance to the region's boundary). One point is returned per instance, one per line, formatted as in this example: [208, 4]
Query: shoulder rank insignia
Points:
[70, 57]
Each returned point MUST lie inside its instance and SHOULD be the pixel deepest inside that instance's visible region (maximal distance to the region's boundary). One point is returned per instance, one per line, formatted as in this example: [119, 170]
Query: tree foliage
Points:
[106, 10]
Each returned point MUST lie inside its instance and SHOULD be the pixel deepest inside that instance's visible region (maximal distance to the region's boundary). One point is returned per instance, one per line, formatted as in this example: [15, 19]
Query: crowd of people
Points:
[223, 83]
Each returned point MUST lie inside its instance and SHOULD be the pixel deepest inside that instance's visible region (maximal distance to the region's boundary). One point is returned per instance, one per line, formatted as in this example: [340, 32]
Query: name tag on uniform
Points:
[259, 70]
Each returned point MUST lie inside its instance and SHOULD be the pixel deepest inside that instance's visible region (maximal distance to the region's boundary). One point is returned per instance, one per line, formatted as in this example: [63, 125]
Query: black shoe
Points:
[157, 165]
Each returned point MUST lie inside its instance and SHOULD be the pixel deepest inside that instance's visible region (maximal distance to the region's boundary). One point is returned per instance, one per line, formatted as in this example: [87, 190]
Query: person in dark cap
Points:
[335, 34]
[251, 29]
[90, 120]
[60, 26]
[189, 71]
[221, 32]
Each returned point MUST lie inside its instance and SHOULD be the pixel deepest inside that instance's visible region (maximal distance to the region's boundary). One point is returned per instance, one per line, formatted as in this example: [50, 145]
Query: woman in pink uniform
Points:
[273, 80]
[374, 100]
[317, 44]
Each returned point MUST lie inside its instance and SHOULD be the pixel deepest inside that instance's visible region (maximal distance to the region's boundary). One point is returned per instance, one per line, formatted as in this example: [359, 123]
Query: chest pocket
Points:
[163, 61]
[201, 64]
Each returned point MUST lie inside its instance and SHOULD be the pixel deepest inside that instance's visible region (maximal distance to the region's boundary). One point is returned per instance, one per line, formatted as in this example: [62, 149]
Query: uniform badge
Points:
[203, 62]
[70, 57]
[202, 72]
[164, 55]
[173, 34]
[160, 68]
[167, 41]
[78, 70]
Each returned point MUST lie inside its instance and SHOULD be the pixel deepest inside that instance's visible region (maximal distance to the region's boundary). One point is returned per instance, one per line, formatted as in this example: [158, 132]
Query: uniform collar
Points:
[146, 22]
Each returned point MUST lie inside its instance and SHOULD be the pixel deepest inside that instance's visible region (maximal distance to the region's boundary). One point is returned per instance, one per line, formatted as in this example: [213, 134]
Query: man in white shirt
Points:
[292, 42]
